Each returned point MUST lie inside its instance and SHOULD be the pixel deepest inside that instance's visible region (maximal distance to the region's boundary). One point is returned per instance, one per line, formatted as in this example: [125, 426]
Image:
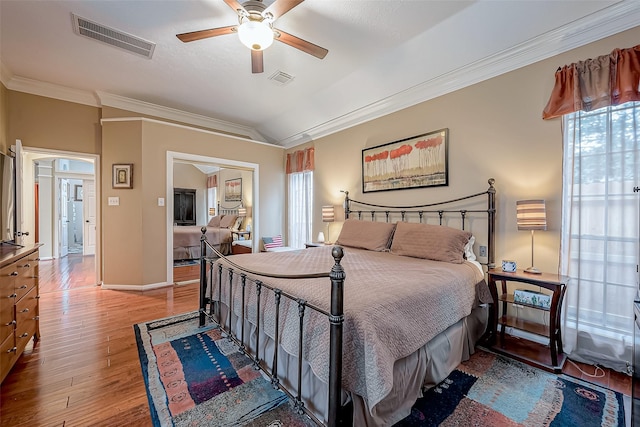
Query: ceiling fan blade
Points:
[298, 43]
[204, 34]
[257, 64]
[233, 4]
[280, 7]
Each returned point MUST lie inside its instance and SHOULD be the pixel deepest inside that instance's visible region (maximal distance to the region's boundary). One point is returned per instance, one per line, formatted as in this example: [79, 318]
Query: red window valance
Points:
[300, 161]
[212, 181]
[595, 83]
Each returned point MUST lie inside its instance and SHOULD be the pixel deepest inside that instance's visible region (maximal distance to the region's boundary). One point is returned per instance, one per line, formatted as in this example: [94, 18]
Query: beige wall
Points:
[155, 140]
[495, 130]
[53, 124]
[190, 177]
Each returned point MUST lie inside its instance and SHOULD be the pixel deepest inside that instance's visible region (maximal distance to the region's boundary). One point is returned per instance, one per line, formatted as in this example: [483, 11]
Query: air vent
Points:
[281, 78]
[113, 37]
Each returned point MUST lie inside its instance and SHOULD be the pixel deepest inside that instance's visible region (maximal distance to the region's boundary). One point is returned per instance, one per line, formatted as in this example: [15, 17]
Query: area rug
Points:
[491, 390]
[195, 377]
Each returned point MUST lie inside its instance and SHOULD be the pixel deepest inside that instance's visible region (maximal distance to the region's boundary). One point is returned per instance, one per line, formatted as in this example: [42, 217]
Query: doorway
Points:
[59, 206]
[174, 158]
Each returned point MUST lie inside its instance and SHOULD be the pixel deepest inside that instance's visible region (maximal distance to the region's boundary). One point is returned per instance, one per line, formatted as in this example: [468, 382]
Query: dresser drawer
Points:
[23, 286]
[8, 356]
[26, 319]
[7, 324]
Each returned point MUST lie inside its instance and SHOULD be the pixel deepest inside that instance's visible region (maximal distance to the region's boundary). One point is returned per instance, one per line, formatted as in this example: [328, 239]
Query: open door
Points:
[89, 215]
[19, 231]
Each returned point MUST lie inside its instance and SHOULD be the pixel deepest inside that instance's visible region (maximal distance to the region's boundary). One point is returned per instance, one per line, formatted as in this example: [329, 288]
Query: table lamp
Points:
[531, 215]
[328, 215]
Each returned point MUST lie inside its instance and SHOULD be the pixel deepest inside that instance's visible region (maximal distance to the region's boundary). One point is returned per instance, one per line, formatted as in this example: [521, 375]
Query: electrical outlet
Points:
[483, 251]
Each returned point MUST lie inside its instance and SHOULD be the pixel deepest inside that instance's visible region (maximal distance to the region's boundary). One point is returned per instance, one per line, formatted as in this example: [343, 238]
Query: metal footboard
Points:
[335, 316]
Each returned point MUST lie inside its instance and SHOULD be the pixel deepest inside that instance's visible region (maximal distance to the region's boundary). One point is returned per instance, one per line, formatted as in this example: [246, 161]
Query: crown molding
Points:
[48, 90]
[612, 20]
[141, 107]
[99, 99]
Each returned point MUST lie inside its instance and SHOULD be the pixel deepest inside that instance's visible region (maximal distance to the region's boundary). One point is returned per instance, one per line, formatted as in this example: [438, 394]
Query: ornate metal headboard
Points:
[441, 211]
[234, 210]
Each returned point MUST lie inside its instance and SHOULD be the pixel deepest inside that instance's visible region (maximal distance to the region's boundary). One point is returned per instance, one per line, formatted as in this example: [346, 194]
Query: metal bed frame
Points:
[337, 415]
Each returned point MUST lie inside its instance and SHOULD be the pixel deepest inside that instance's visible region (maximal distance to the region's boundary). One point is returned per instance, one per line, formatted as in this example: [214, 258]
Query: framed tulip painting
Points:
[419, 161]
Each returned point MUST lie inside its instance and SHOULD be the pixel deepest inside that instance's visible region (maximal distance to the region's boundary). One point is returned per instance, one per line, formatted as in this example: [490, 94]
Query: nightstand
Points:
[557, 285]
[240, 233]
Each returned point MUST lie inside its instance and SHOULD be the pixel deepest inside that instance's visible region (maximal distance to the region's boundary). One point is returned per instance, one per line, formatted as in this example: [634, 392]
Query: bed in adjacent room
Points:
[405, 304]
[186, 238]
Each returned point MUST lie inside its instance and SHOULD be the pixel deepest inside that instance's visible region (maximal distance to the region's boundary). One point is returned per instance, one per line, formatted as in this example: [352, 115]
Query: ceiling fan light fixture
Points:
[256, 35]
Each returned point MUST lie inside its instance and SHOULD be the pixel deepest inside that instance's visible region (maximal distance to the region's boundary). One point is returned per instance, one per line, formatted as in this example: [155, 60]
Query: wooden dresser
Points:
[19, 310]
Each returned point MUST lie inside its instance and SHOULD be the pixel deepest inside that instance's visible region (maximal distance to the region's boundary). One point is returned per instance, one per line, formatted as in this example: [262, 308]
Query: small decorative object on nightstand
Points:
[555, 283]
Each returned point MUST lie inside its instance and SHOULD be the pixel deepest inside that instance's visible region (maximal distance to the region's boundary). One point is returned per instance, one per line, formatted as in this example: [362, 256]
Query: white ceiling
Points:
[383, 56]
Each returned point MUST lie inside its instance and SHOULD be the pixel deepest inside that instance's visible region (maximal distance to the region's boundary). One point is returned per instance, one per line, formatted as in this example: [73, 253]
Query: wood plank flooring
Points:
[85, 370]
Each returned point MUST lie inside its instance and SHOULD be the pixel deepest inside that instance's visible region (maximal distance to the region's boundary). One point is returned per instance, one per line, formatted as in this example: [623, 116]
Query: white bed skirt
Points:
[421, 370]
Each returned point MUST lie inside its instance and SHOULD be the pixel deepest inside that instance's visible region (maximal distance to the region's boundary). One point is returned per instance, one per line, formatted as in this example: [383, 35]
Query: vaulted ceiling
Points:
[383, 56]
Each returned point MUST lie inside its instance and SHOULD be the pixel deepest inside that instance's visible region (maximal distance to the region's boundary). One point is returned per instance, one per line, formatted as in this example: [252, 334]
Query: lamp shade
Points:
[242, 212]
[328, 214]
[212, 211]
[531, 215]
[255, 35]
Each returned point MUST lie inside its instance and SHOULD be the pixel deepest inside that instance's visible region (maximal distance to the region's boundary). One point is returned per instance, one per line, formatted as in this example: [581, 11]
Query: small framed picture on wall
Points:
[122, 175]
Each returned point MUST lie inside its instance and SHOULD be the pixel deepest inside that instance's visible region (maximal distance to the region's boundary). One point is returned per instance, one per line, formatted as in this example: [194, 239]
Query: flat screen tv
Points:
[7, 198]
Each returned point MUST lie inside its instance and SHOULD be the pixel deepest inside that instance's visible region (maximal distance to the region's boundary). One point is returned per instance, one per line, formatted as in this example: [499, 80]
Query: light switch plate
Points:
[160, 201]
[114, 201]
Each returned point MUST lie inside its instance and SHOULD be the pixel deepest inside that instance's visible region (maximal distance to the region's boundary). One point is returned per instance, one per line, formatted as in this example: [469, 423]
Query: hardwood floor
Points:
[85, 371]
[71, 272]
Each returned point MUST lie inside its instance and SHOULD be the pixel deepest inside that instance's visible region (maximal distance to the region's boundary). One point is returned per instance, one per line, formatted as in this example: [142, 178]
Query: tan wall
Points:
[122, 226]
[495, 130]
[53, 124]
[189, 176]
[157, 139]
[247, 191]
[4, 119]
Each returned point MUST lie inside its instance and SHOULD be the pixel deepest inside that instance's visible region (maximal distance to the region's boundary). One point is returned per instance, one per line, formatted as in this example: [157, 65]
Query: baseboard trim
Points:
[136, 287]
[187, 282]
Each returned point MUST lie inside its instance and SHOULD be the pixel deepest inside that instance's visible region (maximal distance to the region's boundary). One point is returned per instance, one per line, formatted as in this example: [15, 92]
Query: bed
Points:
[186, 238]
[404, 300]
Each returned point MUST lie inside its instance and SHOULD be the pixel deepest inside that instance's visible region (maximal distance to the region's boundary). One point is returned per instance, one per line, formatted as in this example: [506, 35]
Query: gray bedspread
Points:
[393, 305]
[189, 235]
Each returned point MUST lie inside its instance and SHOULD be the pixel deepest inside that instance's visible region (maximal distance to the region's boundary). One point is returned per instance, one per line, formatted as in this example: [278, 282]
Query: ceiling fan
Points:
[255, 30]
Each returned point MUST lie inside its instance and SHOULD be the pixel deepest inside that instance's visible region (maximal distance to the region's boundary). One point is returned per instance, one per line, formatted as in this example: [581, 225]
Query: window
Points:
[300, 208]
[599, 245]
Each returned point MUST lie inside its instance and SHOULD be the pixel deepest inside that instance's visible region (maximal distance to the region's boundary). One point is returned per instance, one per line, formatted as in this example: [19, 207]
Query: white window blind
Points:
[300, 208]
[599, 243]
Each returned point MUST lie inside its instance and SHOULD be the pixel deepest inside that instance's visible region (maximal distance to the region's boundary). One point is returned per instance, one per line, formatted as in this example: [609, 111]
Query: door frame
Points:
[222, 163]
[28, 181]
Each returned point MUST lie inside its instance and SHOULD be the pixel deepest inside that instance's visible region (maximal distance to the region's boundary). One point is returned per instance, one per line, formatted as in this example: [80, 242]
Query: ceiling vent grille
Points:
[113, 37]
[281, 78]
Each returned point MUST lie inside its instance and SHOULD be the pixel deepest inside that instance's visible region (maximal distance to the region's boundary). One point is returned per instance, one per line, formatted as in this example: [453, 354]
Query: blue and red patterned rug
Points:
[491, 390]
[195, 377]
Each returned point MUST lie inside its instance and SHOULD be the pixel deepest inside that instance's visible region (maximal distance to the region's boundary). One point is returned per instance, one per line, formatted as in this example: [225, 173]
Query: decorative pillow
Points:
[370, 235]
[435, 242]
[228, 220]
[469, 255]
[272, 242]
[215, 221]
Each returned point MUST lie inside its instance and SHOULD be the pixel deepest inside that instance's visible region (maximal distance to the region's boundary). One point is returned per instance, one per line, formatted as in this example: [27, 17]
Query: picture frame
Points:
[233, 190]
[77, 193]
[122, 175]
[415, 162]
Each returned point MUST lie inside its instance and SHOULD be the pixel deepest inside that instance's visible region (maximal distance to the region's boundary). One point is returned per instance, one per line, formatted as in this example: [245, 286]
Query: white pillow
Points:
[468, 249]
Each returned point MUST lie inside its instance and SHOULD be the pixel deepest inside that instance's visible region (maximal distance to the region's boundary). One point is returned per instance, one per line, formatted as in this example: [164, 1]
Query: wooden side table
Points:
[555, 283]
[241, 233]
[313, 245]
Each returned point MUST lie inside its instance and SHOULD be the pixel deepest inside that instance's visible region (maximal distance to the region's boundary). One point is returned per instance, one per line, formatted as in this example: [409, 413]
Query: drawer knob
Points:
[14, 273]
[12, 296]
[24, 335]
[23, 287]
[13, 322]
[26, 310]
[27, 265]
[36, 318]
[11, 350]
